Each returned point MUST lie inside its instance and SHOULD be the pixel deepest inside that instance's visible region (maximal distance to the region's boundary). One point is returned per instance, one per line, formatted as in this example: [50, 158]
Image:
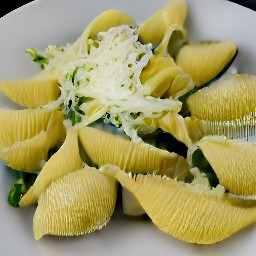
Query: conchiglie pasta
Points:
[77, 204]
[165, 79]
[204, 61]
[155, 65]
[174, 124]
[103, 22]
[65, 160]
[159, 84]
[233, 161]
[182, 211]
[174, 38]
[31, 93]
[229, 98]
[106, 148]
[153, 29]
[27, 136]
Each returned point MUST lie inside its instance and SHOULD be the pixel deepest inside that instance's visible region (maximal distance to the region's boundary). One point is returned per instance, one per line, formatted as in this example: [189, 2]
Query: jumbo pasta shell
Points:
[229, 98]
[107, 20]
[162, 81]
[27, 136]
[172, 123]
[172, 41]
[194, 129]
[165, 79]
[182, 211]
[65, 160]
[155, 65]
[206, 60]
[106, 148]
[233, 161]
[103, 22]
[31, 93]
[77, 204]
[154, 28]
[180, 86]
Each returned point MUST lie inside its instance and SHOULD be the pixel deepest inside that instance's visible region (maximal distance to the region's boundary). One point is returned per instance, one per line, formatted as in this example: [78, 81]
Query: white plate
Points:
[60, 21]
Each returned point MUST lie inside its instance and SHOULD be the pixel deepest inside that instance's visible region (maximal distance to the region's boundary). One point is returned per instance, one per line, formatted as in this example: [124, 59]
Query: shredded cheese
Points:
[108, 79]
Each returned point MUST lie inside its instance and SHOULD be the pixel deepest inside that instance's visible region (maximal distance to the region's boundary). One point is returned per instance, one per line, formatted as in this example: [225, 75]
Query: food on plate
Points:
[86, 205]
[105, 148]
[28, 135]
[94, 116]
[153, 29]
[174, 38]
[237, 172]
[190, 212]
[204, 61]
[233, 97]
[226, 107]
[67, 159]
[31, 93]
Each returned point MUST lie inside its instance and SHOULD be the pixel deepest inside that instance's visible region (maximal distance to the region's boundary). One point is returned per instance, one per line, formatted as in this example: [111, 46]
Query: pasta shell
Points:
[154, 28]
[165, 79]
[65, 160]
[206, 60]
[160, 82]
[31, 93]
[173, 40]
[174, 124]
[105, 21]
[233, 161]
[155, 65]
[182, 211]
[194, 129]
[229, 98]
[105, 148]
[27, 136]
[181, 85]
[77, 204]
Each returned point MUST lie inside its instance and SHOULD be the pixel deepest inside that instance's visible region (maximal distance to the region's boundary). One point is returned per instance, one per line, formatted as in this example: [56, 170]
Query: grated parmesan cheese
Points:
[107, 78]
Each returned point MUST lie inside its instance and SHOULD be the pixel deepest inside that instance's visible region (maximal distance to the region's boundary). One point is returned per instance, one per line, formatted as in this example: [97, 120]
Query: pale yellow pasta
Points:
[66, 160]
[27, 136]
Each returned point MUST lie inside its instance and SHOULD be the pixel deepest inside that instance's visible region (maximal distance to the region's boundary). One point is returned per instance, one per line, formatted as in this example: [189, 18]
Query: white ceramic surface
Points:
[46, 22]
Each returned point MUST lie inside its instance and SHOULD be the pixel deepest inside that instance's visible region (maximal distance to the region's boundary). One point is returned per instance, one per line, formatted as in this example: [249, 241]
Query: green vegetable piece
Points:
[69, 76]
[73, 117]
[20, 188]
[38, 58]
[87, 68]
[15, 194]
[84, 100]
